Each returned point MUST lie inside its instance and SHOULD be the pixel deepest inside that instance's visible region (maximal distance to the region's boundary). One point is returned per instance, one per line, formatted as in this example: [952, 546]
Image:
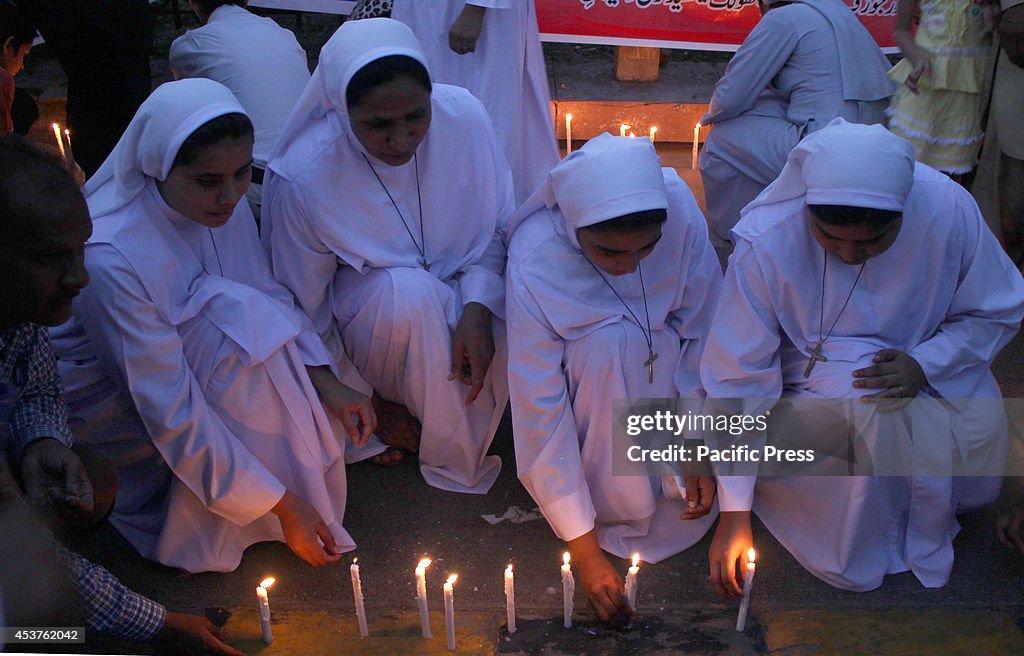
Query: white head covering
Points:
[353, 46]
[862, 64]
[150, 144]
[608, 177]
[845, 164]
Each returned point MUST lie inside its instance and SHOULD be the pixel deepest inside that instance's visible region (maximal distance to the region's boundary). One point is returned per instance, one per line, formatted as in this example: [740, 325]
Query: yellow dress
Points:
[943, 121]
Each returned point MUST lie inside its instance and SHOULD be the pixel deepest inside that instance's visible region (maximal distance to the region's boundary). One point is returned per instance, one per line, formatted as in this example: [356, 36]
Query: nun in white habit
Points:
[492, 48]
[187, 364]
[804, 63]
[911, 299]
[384, 214]
[607, 299]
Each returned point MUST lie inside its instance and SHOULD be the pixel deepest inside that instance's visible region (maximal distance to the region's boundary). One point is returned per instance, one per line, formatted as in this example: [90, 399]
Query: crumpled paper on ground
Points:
[514, 514]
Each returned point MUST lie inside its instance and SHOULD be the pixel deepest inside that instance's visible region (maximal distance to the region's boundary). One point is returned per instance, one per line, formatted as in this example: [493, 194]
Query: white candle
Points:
[568, 590]
[70, 153]
[631, 582]
[654, 131]
[264, 605]
[568, 133]
[421, 595]
[357, 592]
[622, 129]
[696, 145]
[748, 583]
[449, 610]
[510, 598]
[60, 141]
[631, 135]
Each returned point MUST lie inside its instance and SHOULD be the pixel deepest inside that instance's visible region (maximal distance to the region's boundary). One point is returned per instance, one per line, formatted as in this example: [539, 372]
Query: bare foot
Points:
[395, 425]
[389, 457]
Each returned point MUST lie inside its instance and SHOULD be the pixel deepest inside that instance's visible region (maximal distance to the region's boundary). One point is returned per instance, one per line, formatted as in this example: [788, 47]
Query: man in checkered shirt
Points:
[44, 223]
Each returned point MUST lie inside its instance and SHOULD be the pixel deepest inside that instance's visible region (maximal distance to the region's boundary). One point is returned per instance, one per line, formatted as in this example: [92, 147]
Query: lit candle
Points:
[631, 581]
[622, 129]
[510, 598]
[696, 145]
[421, 595]
[264, 604]
[748, 583]
[357, 592]
[60, 141]
[568, 590]
[568, 133]
[654, 131]
[631, 135]
[70, 153]
[449, 610]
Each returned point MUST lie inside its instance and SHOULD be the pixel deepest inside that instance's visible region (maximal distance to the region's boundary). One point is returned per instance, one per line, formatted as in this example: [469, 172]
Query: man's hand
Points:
[1010, 527]
[305, 531]
[700, 495]
[464, 32]
[732, 540]
[53, 475]
[898, 375]
[605, 588]
[353, 410]
[190, 634]
[472, 349]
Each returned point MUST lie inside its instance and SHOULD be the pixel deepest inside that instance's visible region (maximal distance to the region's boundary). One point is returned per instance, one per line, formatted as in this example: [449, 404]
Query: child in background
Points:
[16, 35]
[939, 103]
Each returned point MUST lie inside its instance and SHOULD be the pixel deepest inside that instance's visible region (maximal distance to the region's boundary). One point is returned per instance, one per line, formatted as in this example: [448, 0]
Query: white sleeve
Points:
[144, 355]
[547, 446]
[494, 4]
[763, 54]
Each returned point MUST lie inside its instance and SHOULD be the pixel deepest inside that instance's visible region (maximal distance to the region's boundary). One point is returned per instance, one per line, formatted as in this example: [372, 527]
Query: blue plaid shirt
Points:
[31, 391]
[32, 407]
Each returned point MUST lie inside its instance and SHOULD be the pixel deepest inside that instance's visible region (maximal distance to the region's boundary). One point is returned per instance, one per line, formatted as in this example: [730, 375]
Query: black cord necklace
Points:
[421, 245]
[816, 354]
[648, 335]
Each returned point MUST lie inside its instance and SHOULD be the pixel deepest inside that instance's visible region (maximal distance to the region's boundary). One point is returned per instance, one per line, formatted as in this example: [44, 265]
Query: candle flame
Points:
[622, 129]
[56, 126]
[508, 570]
[568, 117]
[355, 561]
[636, 559]
[698, 126]
[267, 582]
[451, 579]
[565, 558]
[424, 564]
[67, 133]
[751, 554]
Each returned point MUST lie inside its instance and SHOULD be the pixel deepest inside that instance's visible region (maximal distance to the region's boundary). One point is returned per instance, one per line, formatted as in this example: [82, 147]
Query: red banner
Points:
[689, 24]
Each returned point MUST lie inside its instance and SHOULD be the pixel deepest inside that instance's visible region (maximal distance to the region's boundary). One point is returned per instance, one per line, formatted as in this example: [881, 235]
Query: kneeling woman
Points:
[185, 361]
[611, 288]
[383, 211]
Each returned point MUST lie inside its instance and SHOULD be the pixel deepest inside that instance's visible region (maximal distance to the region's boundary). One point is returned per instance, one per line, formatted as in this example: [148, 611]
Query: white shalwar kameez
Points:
[506, 72]
[801, 66]
[574, 347]
[185, 360]
[944, 293]
[337, 241]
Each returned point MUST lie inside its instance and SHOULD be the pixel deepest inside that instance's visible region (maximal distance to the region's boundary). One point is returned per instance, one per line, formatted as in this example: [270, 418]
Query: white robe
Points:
[506, 72]
[790, 77]
[943, 293]
[574, 347]
[185, 364]
[339, 245]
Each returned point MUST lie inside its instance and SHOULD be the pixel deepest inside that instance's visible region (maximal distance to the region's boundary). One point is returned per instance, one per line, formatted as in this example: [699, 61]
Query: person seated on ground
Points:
[260, 61]
[16, 37]
[611, 287]
[821, 306]
[395, 258]
[187, 364]
[804, 63]
[492, 48]
[45, 223]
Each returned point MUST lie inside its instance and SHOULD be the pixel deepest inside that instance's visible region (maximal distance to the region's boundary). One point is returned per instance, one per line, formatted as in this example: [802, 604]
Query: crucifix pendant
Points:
[813, 360]
[651, 357]
[425, 264]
